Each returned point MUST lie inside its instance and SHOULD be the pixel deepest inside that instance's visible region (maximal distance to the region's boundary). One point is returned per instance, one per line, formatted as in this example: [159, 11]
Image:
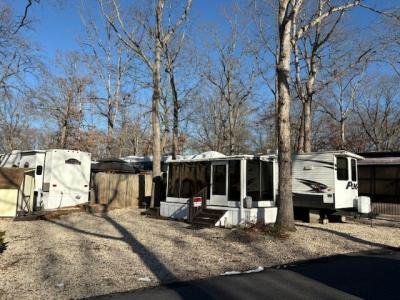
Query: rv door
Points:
[219, 183]
[346, 185]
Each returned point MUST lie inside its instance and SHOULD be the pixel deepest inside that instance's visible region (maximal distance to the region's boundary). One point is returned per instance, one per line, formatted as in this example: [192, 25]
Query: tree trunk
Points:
[300, 141]
[155, 120]
[307, 125]
[63, 136]
[110, 126]
[342, 136]
[231, 138]
[285, 219]
[155, 107]
[175, 125]
[165, 135]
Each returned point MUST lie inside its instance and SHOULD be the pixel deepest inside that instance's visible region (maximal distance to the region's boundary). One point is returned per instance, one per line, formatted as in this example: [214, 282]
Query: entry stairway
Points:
[208, 217]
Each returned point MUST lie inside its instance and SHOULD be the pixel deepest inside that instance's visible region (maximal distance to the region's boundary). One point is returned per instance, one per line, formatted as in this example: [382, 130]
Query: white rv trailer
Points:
[61, 176]
[325, 180]
[228, 180]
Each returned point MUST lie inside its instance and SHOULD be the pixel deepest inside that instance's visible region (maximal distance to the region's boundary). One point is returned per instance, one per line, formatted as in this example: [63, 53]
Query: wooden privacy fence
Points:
[118, 190]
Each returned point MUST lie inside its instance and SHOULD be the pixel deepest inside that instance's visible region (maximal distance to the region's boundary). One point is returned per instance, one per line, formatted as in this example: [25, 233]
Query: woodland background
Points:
[217, 78]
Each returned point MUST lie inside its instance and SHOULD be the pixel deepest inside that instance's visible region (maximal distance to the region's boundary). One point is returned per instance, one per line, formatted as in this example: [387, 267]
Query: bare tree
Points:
[17, 53]
[156, 37]
[339, 101]
[111, 65]
[63, 98]
[232, 76]
[14, 123]
[285, 219]
[379, 113]
[133, 136]
[288, 13]
[171, 56]
[309, 39]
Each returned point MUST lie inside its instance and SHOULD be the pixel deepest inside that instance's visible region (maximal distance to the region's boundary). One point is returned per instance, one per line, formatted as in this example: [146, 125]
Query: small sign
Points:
[197, 201]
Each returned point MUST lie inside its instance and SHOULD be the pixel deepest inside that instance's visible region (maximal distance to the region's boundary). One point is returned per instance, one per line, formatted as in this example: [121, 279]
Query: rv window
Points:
[385, 187]
[188, 177]
[219, 180]
[385, 172]
[353, 170]
[39, 170]
[364, 172]
[72, 161]
[364, 186]
[234, 180]
[253, 179]
[266, 181]
[173, 180]
[342, 168]
[202, 176]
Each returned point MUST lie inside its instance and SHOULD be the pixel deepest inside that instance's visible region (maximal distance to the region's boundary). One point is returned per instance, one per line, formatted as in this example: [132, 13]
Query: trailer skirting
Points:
[232, 217]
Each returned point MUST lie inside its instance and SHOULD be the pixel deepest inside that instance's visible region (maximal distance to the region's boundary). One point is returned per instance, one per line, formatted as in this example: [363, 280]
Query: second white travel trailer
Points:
[326, 181]
[235, 189]
[244, 188]
[61, 176]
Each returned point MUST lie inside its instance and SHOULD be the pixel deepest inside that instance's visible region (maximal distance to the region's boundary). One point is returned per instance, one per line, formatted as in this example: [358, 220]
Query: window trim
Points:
[37, 170]
[337, 168]
[354, 178]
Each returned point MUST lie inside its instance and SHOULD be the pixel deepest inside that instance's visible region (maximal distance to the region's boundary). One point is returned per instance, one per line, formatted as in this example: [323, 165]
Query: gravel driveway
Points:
[82, 255]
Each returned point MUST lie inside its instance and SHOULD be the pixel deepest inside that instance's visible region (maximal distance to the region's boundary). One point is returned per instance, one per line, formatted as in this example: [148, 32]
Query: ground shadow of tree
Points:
[350, 237]
[152, 262]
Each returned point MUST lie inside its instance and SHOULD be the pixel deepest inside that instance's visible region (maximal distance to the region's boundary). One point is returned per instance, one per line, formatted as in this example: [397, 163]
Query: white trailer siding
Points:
[61, 176]
[66, 178]
[317, 184]
[263, 190]
[34, 160]
[313, 180]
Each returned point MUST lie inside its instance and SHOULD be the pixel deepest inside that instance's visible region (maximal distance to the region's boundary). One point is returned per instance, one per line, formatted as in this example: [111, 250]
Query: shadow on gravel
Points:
[152, 262]
[351, 238]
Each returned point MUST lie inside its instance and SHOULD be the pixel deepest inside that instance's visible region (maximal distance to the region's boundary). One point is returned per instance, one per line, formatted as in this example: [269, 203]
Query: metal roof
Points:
[336, 152]
[381, 154]
[380, 161]
[231, 157]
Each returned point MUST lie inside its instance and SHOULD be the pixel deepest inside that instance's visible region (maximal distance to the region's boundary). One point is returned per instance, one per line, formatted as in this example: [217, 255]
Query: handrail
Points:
[193, 211]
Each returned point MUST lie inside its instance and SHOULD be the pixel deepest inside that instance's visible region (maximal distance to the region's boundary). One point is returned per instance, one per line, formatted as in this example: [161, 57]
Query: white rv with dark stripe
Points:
[325, 180]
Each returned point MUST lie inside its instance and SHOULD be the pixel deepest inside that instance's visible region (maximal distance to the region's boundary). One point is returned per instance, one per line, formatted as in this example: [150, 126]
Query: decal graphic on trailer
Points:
[316, 187]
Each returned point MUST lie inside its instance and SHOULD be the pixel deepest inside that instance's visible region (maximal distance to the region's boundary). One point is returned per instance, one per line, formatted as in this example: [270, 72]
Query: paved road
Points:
[369, 275]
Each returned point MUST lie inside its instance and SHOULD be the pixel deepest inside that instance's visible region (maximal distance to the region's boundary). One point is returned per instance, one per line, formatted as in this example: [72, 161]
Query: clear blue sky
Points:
[57, 23]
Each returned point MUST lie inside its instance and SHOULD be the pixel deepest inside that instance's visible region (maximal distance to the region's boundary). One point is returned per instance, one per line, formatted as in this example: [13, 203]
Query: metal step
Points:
[200, 223]
[208, 217]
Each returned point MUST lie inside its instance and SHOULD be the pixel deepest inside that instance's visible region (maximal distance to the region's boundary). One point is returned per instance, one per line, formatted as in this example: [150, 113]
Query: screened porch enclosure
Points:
[222, 180]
